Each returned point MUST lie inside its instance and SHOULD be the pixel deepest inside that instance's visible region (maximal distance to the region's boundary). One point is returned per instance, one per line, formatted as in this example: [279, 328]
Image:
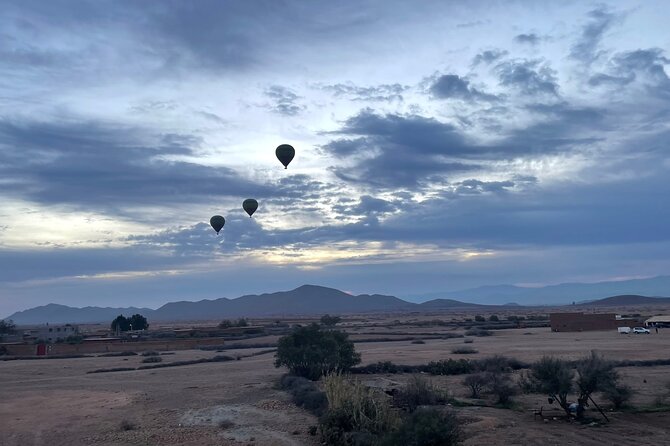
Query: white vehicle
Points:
[624, 330]
[638, 330]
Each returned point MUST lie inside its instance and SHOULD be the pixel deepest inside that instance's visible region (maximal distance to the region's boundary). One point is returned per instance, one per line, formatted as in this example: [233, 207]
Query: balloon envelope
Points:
[250, 205]
[285, 154]
[217, 222]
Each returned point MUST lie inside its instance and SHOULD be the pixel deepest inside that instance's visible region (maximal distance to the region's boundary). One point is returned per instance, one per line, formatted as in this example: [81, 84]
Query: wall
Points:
[585, 322]
[114, 346]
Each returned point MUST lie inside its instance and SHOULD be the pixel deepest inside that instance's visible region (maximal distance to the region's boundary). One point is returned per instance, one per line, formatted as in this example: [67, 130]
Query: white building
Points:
[52, 333]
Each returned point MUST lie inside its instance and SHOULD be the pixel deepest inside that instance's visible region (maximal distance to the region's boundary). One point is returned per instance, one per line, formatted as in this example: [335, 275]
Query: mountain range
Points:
[305, 300]
[562, 294]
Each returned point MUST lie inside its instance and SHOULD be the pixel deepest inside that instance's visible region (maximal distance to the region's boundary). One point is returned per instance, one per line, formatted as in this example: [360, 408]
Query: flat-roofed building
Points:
[587, 321]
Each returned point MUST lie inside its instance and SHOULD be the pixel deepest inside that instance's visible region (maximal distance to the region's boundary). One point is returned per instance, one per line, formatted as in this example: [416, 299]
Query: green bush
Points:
[426, 427]
[311, 352]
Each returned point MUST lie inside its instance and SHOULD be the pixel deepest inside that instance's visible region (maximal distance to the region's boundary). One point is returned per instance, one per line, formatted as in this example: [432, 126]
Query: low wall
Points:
[113, 346]
[586, 322]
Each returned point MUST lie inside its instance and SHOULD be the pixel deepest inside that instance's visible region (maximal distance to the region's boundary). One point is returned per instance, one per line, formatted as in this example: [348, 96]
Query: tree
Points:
[476, 383]
[7, 327]
[330, 321]
[311, 352]
[494, 318]
[480, 318]
[138, 322]
[225, 324]
[594, 374]
[553, 377]
[242, 322]
[120, 323]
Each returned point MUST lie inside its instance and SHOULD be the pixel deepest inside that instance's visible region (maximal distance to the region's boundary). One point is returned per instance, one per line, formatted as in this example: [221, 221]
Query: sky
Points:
[439, 146]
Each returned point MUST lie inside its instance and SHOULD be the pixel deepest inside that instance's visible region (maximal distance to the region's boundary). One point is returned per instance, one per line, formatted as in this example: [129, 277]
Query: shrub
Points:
[480, 318]
[114, 354]
[418, 341]
[418, 392]
[478, 332]
[494, 318]
[356, 415]
[311, 352]
[426, 427]
[305, 394]
[618, 394]
[499, 363]
[152, 359]
[150, 353]
[468, 341]
[449, 367]
[226, 424]
[476, 383]
[463, 351]
[500, 385]
[127, 425]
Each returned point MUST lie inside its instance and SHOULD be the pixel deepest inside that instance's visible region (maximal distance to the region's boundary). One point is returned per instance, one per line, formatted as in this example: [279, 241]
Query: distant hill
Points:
[561, 294]
[441, 304]
[626, 300]
[305, 300]
[62, 314]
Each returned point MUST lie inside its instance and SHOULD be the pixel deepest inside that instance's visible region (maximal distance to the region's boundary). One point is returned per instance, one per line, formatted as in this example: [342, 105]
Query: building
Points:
[51, 333]
[658, 321]
[587, 322]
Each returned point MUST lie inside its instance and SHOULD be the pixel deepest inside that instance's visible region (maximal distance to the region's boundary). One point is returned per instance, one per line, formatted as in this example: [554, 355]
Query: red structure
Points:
[585, 322]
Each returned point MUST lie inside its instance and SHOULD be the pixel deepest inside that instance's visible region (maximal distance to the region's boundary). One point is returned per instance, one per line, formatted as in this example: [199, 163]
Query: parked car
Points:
[638, 330]
[624, 330]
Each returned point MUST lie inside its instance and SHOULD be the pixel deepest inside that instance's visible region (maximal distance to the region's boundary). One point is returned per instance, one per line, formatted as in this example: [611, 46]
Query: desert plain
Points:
[238, 402]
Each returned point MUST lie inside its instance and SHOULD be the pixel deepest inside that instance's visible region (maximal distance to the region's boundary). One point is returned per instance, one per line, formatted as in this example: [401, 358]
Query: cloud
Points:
[530, 77]
[489, 56]
[585, 48]
[530, 38]
[285, 101]
[451, 86]
[97, 165]
[383, 92]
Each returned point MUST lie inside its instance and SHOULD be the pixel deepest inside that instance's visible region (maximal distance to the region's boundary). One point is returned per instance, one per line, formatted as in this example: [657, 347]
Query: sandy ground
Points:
[55, 402]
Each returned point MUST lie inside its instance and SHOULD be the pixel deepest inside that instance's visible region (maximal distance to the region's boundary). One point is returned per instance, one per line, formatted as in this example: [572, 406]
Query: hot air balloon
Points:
[217, 223]
[285, 154]
[250, 205]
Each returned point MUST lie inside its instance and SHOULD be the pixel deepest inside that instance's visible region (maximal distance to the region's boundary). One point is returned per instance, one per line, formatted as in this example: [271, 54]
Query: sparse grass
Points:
[354, 411]
[464, 351]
